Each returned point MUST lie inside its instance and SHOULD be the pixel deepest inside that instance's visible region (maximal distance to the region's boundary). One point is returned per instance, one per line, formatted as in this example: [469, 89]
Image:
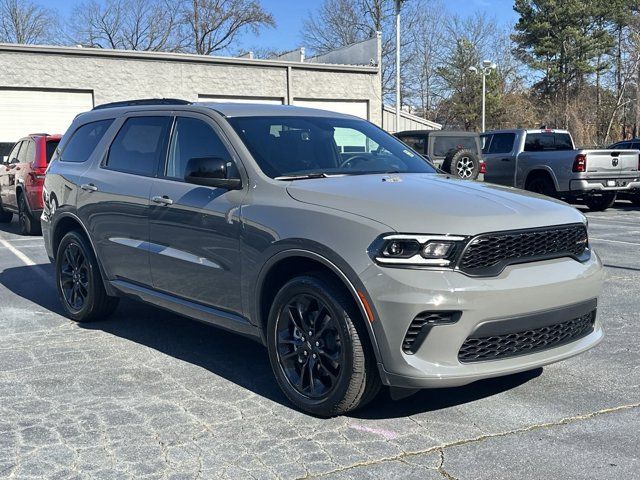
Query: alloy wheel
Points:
[465, 167]
[74, 276]
[309, 346]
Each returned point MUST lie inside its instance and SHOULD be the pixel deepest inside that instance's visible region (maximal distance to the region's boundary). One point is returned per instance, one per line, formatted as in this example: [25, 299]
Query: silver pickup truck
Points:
[546, 161]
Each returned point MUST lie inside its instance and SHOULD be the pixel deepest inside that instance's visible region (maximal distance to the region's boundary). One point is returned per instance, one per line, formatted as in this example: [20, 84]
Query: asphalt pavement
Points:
[148, 394]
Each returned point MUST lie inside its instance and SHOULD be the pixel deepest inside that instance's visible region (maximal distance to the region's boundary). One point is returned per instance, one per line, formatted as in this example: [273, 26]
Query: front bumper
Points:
[399, 295]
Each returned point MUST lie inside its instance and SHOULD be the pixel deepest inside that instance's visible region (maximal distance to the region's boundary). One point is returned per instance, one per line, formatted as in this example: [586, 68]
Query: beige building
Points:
[43, 88]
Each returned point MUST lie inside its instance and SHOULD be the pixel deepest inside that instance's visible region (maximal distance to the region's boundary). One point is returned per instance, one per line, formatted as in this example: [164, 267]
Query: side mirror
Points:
[210, 172]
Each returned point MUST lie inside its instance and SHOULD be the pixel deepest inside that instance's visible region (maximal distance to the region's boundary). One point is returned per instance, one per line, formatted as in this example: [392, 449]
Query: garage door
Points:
[36, 111]
[356, 108]
[218, 99]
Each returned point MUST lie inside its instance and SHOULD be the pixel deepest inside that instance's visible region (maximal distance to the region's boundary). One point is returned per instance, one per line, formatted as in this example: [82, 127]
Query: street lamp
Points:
[398, 109]
[487, 67]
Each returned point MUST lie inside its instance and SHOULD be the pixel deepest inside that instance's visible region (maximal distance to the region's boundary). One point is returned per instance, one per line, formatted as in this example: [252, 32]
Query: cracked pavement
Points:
[150, 395]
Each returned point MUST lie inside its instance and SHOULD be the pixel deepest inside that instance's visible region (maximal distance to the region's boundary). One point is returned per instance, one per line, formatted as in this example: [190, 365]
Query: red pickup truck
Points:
[21, 180]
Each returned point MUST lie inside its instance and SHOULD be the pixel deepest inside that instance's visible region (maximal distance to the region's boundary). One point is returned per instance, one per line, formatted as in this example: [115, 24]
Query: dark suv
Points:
[324, 238]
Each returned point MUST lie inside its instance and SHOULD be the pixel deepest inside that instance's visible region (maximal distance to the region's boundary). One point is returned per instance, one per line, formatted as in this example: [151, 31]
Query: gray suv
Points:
[322, 237]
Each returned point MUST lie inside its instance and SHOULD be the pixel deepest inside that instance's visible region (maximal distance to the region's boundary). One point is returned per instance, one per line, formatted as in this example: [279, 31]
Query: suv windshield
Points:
[301, 146]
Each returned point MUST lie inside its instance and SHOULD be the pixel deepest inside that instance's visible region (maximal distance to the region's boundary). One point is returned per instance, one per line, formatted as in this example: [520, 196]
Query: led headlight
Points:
[418, 250]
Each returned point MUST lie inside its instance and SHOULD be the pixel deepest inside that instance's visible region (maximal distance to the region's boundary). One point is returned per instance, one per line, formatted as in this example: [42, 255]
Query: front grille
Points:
[422, 325]
[529, 341]
[488, 254]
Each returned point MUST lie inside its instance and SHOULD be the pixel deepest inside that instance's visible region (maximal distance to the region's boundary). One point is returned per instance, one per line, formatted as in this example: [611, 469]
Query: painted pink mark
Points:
[386, 434]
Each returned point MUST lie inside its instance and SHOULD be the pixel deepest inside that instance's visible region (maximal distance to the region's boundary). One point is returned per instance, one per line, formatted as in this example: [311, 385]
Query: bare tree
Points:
[152, 25]
[22, 21]
[214, 24]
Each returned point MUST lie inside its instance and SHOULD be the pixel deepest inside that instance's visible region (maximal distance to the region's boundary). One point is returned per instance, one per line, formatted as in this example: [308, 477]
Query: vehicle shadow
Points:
[233, 357]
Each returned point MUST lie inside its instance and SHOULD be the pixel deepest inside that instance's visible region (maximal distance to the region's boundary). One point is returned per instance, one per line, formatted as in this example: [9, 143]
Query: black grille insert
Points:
[525, 342]
[422, 325]
[489, 253]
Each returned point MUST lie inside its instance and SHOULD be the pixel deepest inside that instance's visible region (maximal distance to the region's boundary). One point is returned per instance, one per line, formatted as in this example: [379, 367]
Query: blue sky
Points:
[289, 15]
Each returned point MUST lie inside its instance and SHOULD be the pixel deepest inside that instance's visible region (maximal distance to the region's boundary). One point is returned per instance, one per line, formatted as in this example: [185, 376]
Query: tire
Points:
[77, 268]
[28, 225]
[463, 164]
[635, 200]
[600, 203]
[305, 365]
[5, 217]
[541, 184]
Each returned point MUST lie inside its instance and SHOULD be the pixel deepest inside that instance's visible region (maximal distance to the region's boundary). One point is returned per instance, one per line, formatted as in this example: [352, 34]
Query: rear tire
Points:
[600, 203]
[79, 282]
[28, 225]
[318, 348]
[541, 184]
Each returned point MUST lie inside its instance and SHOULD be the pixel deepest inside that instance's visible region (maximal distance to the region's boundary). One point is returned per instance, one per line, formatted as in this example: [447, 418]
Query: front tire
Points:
[78, 280]
[600, 203]
[318, 348]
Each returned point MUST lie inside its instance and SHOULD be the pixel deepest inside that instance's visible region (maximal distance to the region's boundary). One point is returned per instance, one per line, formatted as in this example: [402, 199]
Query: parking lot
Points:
[148, 394]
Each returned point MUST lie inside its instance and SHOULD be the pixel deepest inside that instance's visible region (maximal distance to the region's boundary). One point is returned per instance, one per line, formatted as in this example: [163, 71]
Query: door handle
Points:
[164, 200]
[89, 187]
[505, 159]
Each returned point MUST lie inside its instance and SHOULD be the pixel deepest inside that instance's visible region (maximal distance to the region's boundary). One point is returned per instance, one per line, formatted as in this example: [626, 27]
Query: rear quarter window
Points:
[51, 148]
[84, 141]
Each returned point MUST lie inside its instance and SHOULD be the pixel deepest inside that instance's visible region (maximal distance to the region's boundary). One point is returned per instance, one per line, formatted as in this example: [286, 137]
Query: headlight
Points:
[417, 250]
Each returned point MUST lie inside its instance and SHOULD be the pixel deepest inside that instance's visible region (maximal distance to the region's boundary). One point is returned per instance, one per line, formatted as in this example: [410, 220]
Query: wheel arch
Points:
[541, 171]
[287, 264]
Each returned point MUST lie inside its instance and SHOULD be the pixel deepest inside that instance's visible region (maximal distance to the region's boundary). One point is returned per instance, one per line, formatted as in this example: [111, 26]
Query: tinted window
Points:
[634, 146]
[415, 142]
[28, 152]
[51, 147]
[84, 141]
[443, 145]
[15, 152]
[502, 143]
[538, 142]
[139, 145]
[300, 145]
[193, 138]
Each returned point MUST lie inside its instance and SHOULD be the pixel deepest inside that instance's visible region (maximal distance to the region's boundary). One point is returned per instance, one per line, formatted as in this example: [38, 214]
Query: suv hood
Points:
[429, 203]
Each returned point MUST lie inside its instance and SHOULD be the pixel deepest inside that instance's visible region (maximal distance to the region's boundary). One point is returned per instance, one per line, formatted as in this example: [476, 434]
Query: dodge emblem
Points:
[614, 162]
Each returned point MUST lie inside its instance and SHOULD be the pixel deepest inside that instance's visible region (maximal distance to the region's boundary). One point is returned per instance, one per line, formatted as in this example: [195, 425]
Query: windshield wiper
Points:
[305, 176]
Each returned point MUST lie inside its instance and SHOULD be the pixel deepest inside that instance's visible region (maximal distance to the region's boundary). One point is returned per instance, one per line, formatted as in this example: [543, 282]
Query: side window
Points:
[633, 146]
[415, 142]
[28, 152]
[485, 141]
[15, 152]
[139, 145]
[84, 141]
[502, 143]
[193, 138]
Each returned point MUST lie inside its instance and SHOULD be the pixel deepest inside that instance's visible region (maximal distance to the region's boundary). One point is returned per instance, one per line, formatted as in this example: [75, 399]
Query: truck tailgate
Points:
[615, 163]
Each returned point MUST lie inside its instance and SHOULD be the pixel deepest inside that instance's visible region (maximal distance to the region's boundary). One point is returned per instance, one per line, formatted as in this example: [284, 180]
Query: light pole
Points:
[487, 67]
[398, 109]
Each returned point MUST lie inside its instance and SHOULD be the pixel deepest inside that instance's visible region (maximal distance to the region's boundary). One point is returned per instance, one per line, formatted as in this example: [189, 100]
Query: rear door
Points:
[114, 196]
[499, 155]
[19, 164]
[195, 230]
[6, 174]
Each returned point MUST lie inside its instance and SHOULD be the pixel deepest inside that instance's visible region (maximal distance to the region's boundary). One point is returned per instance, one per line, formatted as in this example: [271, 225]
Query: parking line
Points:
[21, 256]
[613, 241]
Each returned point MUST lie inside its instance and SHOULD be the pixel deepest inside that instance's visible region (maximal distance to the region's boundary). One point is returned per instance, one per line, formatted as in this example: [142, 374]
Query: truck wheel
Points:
[318, 348]
[463, 164]
[541, 184]
[599, 203]
[28, 225]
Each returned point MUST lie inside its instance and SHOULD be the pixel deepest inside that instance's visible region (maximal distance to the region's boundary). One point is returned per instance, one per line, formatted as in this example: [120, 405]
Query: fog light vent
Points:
[422, 325]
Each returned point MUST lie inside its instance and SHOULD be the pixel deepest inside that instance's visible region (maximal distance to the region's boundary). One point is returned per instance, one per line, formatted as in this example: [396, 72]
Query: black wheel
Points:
[318, 348]
[5, 217]
[541, 184]
[79, 282]
[599, 203]
[28, 225]
[463, 164]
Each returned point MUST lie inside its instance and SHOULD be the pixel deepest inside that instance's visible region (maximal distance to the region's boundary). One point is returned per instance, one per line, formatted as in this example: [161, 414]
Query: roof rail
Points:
[144, 101]
[39, 134]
